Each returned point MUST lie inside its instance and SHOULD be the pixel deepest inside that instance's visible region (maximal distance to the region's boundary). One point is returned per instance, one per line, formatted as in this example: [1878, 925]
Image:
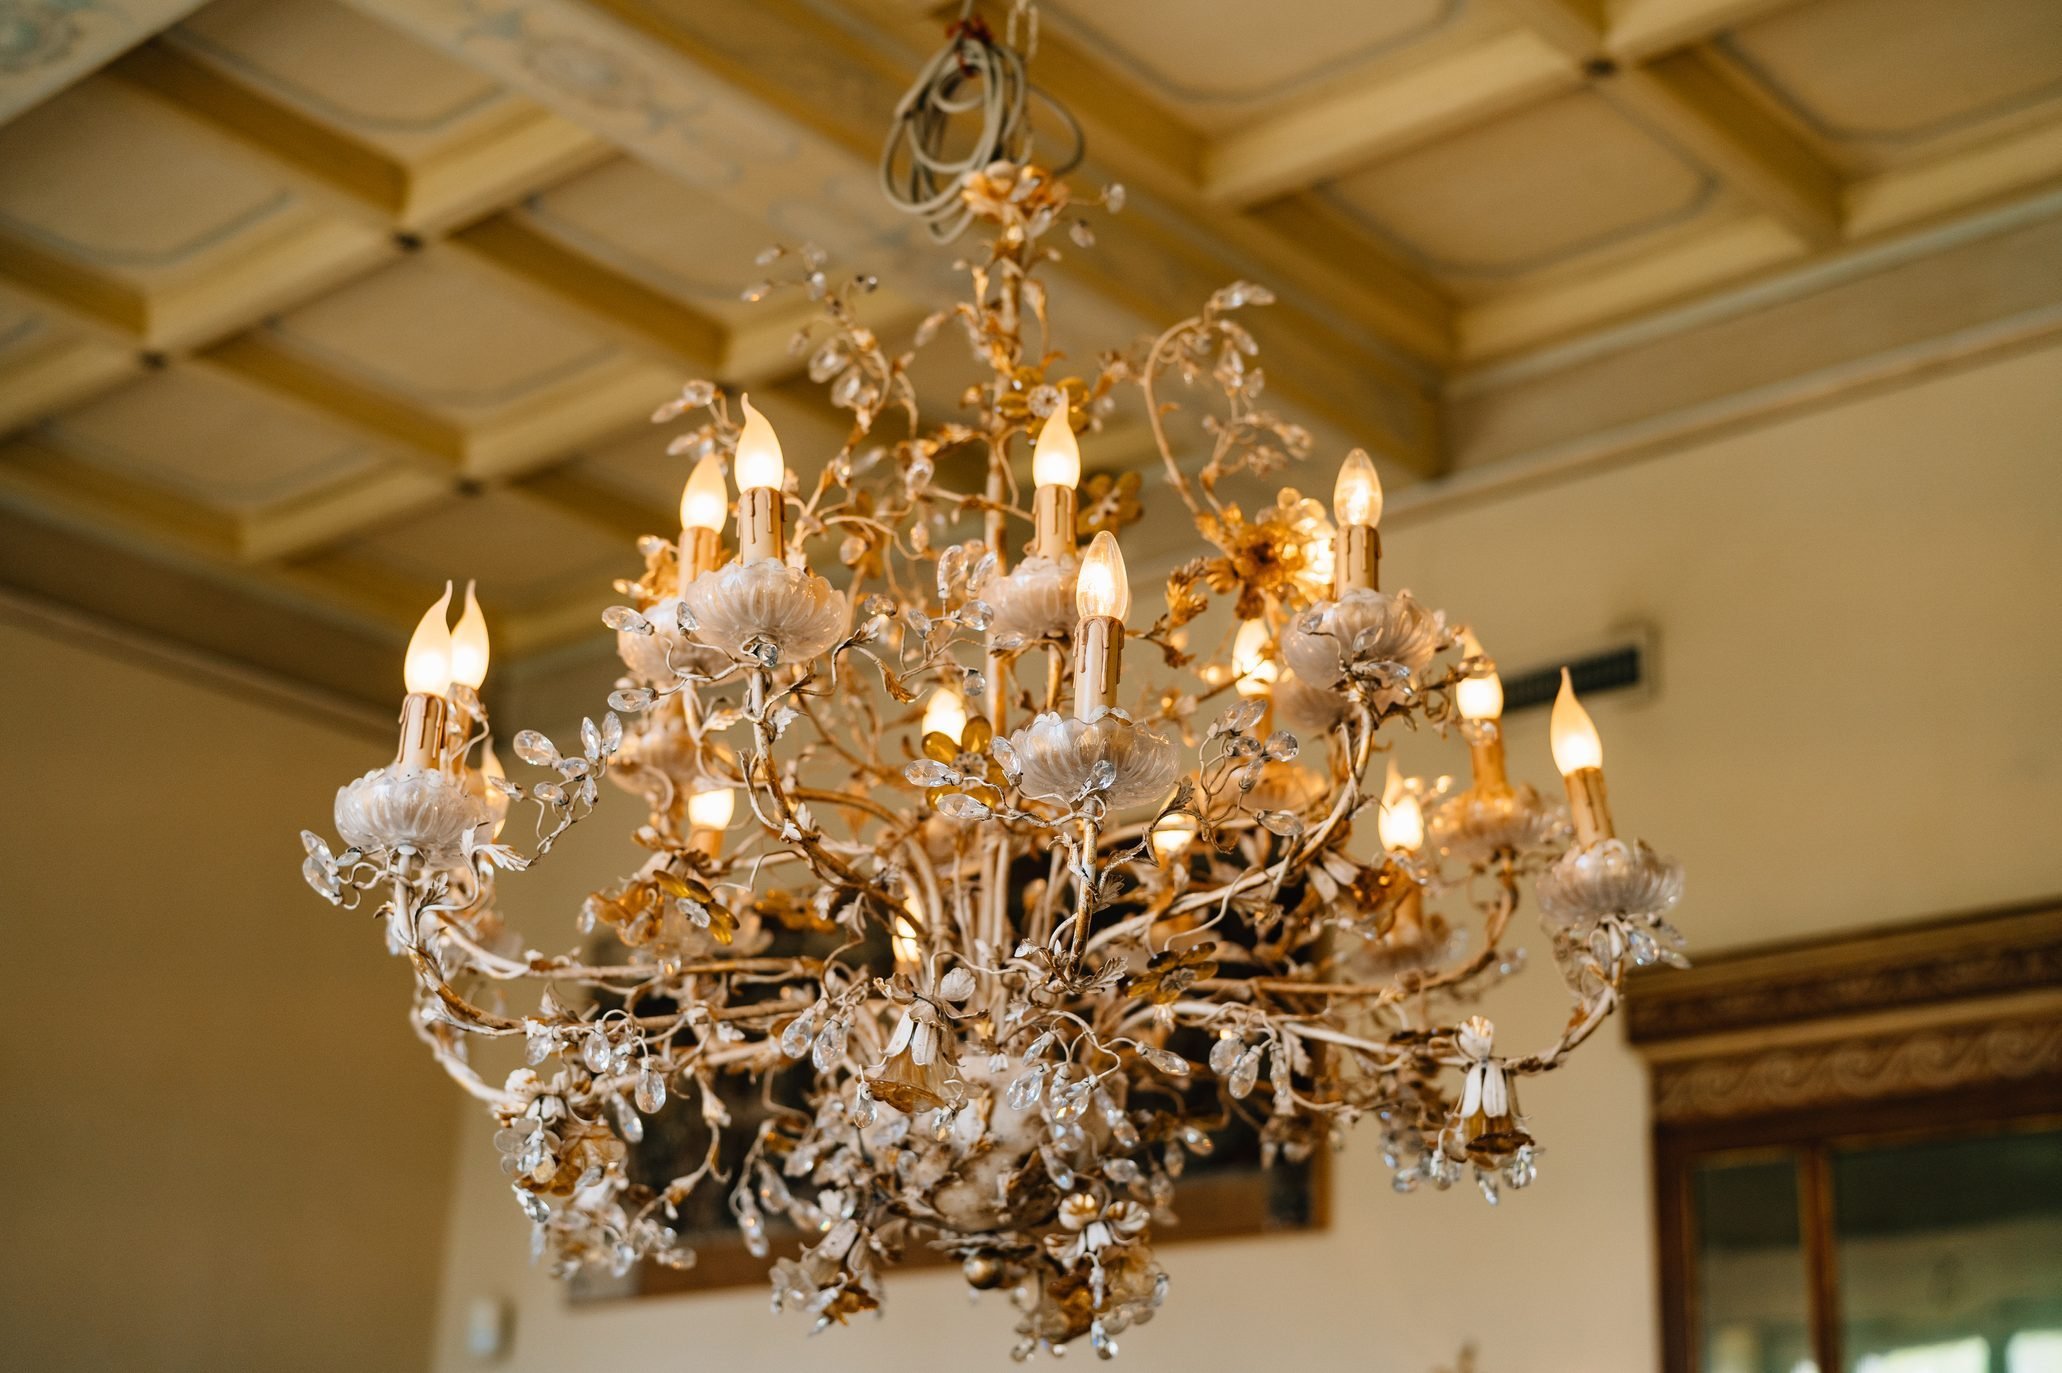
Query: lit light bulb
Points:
[759, 462]
[945, 714]
[1357, 497]
[469, 643]
[1479, 698]
[1401, 822]
[427, 668]
[704, 504]
[1056, 458]
[711, 809]
[1255, 671]
[497, 801]
[1173, 835]
[1573, 734]
[1102, 586]
[907, 941]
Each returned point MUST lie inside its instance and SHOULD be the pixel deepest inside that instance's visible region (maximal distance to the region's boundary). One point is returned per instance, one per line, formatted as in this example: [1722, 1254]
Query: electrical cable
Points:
[972, 74]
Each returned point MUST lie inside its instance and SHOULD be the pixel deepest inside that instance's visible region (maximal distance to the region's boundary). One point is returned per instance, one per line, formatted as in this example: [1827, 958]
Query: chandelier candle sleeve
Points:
[1102, 596]
[761, 473]
[427, 673]
[1480, 699]
[1056, 468]
[1579, 754]
[704, 505]
[1357, 505]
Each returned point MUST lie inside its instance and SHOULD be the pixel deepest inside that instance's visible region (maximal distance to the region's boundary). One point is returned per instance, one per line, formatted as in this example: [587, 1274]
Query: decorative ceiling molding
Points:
[1798, 282]
[1908, 1011]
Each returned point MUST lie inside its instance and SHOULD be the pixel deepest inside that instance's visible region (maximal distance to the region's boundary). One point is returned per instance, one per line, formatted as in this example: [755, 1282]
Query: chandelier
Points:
[1004, 937]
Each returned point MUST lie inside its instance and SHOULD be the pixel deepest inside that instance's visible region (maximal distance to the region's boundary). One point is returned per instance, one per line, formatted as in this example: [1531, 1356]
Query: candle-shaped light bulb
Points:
[759, 461]
[1056, 458]
[1401, 821]
[1103, 587]
[497, 801]
[1479, 698]
[469, 643]
[1357, 496]
[1253, 670]
[711, 809]
[907, 939]
[427, 668]
[704, 504]
[1573, 734]
[1173, 835]
[945, 713]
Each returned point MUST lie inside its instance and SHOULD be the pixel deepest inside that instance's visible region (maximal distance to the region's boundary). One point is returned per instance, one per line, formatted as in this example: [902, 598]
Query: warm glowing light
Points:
[1572, 733]
[907, 941]
[759, 462]
[1056, 460]
[469, 643]
[1479, 698]
[1401, 822]
[1256, 671]
[427, 668]
[711, 809]
[1102, 586]
[490, 766]
[704, 504]
[945, 714]
[1357, 498]
[1173, 835]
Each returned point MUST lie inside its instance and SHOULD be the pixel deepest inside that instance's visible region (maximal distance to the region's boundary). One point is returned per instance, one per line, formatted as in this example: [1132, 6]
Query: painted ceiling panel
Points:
[432, 330]
[101, 178]
[1879, 83]
[210, 440]
[1200, 60]
[345, 70]
[1573, 179]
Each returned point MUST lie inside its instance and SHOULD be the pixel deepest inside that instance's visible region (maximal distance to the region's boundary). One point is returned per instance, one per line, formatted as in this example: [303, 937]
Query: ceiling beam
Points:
[1638, 29]
[1313, 143]
[528, 149]
[1687, 100]
[751, 71]
[59, 374]
[98, 34]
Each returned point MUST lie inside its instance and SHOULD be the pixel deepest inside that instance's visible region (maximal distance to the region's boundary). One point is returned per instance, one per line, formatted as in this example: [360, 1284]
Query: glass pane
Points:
[1751, 1285]
[1950, 1254]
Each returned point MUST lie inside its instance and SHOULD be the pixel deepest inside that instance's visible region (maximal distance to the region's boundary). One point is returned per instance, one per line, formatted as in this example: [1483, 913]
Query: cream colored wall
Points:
[224, 1149]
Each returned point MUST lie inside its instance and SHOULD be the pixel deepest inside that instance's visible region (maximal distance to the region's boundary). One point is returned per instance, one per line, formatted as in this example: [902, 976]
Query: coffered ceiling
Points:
[306, 305]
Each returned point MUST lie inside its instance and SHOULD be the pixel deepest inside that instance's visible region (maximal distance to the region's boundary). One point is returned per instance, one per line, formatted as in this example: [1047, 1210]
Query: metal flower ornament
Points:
[1017, 934]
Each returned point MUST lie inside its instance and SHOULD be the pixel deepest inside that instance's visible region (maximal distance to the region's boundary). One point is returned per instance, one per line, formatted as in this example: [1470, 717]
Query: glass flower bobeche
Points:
[1020, 957]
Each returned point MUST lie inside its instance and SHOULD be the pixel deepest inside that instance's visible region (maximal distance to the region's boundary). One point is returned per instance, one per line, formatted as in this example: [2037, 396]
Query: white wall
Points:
[1855, 723]
[224, 1149]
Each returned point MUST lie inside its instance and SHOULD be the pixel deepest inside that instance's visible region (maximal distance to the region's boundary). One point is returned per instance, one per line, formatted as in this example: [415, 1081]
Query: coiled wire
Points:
[972, 74]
